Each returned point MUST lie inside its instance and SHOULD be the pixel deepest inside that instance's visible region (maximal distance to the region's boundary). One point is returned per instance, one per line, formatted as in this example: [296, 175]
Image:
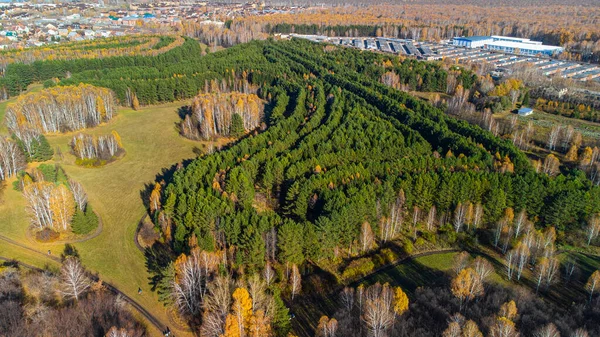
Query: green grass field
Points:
[152, 143]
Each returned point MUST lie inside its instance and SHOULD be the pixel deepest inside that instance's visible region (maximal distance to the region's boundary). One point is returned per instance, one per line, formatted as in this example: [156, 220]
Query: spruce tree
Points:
[237, 126]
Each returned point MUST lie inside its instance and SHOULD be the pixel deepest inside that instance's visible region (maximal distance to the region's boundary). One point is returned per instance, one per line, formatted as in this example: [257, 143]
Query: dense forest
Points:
[552, 23]
[348, 164]
[343, 168]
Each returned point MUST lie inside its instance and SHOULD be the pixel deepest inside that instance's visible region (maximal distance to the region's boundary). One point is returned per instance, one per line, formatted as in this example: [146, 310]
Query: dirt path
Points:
[153, 320]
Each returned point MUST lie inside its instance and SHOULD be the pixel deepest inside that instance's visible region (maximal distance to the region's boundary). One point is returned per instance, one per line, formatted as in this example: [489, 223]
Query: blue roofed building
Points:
[525, 111]
[472, 41]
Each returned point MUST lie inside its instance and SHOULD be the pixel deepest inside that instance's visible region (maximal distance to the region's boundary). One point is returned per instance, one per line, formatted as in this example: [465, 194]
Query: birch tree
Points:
[459, 217]
[68, 108]
[268, 274]
[553, 137]
[378, 314]
[295, 281]
[592, 228]
[79, 194]
[12, 159]
[483, 268]
[548, 330]
[74, 279]
[593, 284]
[62, 206]
[367, 240]
[391, 227]
[431, 218]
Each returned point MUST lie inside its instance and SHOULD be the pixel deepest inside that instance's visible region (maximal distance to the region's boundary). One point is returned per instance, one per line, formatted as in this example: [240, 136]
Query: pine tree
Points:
[237, 126]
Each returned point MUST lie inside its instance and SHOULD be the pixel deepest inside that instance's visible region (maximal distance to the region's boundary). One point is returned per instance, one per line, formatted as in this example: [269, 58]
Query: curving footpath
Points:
[158, 324]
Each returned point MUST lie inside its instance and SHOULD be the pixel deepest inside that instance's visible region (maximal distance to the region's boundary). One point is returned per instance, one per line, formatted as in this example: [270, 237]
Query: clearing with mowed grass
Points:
[152, 144]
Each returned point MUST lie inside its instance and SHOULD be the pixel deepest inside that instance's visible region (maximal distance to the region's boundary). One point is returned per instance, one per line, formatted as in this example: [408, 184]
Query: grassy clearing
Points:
[424, 271]
[544, 121]
[152, 143]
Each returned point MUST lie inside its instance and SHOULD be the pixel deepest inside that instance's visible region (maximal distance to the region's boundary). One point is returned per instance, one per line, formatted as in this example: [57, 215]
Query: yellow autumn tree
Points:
[242, 309]
[135, 103]
[466, 285]
[571, 155]
[117, 138]
[509, 310]
[100, 107]
[260, 325]
[231, 327]
[400, 301]
[155, 198]
[586, 158]
[62, 205]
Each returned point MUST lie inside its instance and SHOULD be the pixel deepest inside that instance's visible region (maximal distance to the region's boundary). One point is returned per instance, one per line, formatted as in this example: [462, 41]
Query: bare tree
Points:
[459, 217]
[522, 257]
[217, 304]
[268, 274]
[391, 226]
[12, 159]
[580, 333]
[510, 262]
[553, 137]
[190, 283]
[79, 194]
[548, 330]
[367, 239]
[431, 218]
[377, 312]
[540, 272]
[347, 298]
[460, 262]
[295, 281]
[483, 268]
[592, 228]
[257, 289]
[520, 222]
[75, 281]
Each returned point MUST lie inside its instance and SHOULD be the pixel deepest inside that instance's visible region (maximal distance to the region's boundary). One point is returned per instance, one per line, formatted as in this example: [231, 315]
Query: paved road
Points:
[159, 325]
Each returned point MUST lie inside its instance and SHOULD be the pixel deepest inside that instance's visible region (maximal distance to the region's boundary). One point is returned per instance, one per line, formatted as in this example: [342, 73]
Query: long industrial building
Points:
[507, 44]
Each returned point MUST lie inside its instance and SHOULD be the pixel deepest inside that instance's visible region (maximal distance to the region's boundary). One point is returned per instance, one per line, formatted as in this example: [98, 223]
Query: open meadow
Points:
[152, 143]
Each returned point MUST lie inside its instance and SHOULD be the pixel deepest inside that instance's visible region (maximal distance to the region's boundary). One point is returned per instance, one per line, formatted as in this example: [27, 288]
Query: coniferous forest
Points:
[330, 175]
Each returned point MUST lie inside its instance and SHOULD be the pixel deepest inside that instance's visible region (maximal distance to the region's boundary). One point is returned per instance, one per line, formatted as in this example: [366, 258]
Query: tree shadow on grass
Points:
[158, 258]
[312, 304]
[166, 175]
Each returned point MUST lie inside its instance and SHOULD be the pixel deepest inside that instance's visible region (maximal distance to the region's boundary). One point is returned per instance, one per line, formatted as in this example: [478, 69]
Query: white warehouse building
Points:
[507, 44]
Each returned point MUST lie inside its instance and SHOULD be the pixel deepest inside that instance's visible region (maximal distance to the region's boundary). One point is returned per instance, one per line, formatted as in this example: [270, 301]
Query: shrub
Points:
[429, 236]
[47, 235]
[408, 247]
[419, 242]
[356, 268]
[389, 255]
